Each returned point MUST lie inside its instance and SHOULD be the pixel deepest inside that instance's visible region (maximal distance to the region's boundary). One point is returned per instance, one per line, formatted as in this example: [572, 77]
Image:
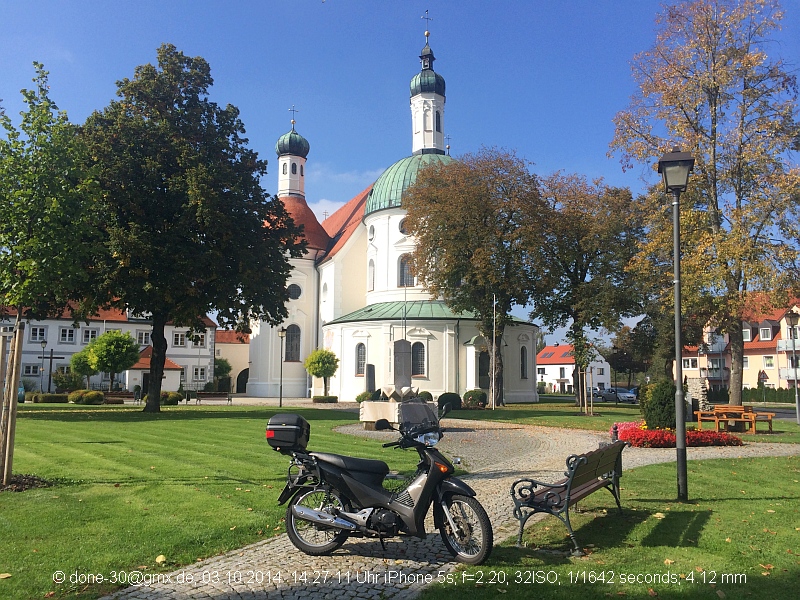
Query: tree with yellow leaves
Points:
[709, 85]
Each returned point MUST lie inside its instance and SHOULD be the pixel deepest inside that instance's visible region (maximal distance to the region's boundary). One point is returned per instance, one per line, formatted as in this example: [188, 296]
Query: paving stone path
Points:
[494, 454]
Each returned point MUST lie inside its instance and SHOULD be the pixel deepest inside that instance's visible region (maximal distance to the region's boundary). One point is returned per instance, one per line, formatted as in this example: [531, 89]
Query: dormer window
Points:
[765, 333]
[746, 335]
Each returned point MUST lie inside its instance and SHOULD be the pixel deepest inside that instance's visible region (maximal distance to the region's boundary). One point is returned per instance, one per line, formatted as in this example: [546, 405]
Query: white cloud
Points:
[324, 208]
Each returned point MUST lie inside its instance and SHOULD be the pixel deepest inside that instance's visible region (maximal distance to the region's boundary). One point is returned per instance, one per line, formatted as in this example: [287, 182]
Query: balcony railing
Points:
[789, 374]
[723, 374]
[787, 345]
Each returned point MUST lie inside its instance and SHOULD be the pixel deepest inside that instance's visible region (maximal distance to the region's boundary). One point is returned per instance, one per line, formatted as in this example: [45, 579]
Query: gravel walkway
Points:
[494, 454]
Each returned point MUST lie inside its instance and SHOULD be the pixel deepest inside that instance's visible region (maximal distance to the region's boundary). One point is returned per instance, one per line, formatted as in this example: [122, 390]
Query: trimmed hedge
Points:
[451, 398]
[51, 398]
[363, 397]
[657, 405]
[324, 399]
[474, 400]
[426, 396]
[93, 398]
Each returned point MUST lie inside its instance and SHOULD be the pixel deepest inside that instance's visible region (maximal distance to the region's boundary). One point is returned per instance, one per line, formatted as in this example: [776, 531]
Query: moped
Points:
[332, 497]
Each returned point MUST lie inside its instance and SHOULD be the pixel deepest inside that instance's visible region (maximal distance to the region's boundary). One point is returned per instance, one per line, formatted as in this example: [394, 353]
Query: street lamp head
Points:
[282, 332]
[44, 344]
[675, 167]
[792, 318]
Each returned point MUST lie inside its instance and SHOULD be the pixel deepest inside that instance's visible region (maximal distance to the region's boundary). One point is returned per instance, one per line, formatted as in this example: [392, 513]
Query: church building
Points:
[353, 291]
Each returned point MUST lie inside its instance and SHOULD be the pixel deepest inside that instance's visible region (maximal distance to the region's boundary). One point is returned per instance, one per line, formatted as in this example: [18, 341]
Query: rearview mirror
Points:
[445, 409]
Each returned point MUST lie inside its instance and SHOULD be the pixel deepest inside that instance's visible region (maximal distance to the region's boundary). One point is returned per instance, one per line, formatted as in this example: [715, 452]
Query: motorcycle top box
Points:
[288, 432]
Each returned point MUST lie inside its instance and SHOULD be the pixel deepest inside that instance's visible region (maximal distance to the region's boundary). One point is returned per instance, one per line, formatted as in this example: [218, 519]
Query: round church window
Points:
[294, 291]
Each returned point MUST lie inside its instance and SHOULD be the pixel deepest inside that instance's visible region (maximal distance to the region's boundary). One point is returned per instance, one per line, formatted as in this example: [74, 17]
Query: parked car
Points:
[618, 394]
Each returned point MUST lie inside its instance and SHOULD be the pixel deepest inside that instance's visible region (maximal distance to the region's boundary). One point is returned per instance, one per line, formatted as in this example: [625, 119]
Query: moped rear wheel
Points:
[315, 540]
[471, 541]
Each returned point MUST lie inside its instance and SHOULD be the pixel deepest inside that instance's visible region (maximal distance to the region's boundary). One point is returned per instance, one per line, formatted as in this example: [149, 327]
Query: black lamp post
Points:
[792, 319]
[282, 335]
[41, 371]
[675, 167]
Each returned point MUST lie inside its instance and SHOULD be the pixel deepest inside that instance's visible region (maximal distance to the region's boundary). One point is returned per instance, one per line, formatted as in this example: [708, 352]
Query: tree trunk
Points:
[736, 342]
[157, 360]
[325, 385]
[498, 371]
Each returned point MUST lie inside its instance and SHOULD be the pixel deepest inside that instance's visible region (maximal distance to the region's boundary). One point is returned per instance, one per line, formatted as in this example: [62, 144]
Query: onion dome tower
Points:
[292, 149]
[389, 246]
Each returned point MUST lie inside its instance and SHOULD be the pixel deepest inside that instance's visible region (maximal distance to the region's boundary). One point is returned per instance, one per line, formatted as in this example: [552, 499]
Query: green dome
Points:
[292, 143]
[427, 81]
[390, 186]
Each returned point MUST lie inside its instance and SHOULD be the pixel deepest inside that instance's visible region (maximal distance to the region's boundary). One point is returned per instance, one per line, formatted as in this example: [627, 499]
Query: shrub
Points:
[76, 396]
[451, 398]
[377, 396]
[426, 396]
[363, 397]
[541, 387]
[52, 398]
[31, 396]
[324, 399]
[657, 405]
[171, 398]
[29, 384]
[67, 381]
[474, 400]
[665, 438]
[114, 401]
[93, 397]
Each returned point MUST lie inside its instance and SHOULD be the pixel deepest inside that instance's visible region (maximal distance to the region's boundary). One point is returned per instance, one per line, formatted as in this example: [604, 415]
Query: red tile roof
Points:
[302, 215]
[556, 355]
[143, 364]
[344, 222]
[117, 315]
[226, 336]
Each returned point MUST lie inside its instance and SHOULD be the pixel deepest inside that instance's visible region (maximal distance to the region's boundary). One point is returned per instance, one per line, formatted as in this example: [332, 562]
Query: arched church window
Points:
[285, 169]
[371, 275]
[294, 291]
[294, 168]
[292, 344]
[484, 363]
[361, 358]
[523, 362]
[371, 233]
[405, 278]
[301, 170]
[438, 121]
[402, 227]
[417, 359]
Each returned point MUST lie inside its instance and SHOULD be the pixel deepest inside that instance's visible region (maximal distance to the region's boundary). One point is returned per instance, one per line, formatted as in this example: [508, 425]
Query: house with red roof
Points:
[555, 368]
[771, 351]
[49, 344]
[354, 293]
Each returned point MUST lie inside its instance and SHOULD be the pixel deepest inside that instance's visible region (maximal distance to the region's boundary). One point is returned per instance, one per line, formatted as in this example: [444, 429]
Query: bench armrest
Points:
[523, 492]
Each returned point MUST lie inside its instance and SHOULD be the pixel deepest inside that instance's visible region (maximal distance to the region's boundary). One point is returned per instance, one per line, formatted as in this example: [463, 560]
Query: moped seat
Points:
[377, 467]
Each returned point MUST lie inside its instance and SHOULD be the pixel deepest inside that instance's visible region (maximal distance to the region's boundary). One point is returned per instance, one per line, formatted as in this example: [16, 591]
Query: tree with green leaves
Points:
[323, 364]
[189, 229]
[711, 85]
[587, 233]
[465, 216]
[80, 364]
[47, 221]
[112, 353]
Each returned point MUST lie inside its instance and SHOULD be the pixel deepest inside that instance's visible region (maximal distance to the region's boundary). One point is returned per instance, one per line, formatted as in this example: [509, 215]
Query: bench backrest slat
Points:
[596, 464]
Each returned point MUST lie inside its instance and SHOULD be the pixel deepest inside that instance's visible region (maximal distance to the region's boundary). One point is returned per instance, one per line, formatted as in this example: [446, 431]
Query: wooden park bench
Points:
[585, 474]
[724, 416]
[199, 396]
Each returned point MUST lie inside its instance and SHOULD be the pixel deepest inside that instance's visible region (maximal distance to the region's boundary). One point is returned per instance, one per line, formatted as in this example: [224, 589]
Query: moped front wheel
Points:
[471, 540]
[313, 539]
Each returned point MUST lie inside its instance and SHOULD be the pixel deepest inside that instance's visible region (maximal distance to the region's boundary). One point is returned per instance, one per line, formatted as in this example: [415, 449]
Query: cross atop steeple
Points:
[293, 110]
[427, 24]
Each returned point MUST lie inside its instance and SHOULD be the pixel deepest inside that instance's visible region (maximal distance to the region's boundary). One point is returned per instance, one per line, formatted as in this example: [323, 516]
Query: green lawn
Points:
[737, 538]
[561, 412]
[189, 483]
[196, 481]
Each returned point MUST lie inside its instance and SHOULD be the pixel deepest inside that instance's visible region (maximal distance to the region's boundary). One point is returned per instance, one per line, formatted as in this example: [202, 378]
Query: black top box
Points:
[287, 432]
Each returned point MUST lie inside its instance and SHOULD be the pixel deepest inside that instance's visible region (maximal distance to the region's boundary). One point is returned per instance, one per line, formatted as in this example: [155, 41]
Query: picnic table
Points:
[726, 416]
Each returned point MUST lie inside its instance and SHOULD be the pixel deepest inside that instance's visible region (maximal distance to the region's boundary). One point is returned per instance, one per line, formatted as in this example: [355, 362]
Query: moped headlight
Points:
[429, 439]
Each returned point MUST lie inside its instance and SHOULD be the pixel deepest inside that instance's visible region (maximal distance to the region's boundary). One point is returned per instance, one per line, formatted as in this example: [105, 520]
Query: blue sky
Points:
[543, 78]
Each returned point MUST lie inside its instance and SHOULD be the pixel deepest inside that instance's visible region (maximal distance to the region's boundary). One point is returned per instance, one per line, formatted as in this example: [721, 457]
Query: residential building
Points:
[49, 344]
[555, 368]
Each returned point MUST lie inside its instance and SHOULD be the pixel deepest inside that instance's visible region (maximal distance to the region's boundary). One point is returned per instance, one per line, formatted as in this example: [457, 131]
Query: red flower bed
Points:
[665, 438]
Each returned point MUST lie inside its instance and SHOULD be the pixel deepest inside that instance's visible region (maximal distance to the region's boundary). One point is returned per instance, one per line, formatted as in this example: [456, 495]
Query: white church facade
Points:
[354, 294]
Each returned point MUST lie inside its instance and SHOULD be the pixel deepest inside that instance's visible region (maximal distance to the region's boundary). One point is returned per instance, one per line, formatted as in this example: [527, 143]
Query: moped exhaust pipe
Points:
[319, 517]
